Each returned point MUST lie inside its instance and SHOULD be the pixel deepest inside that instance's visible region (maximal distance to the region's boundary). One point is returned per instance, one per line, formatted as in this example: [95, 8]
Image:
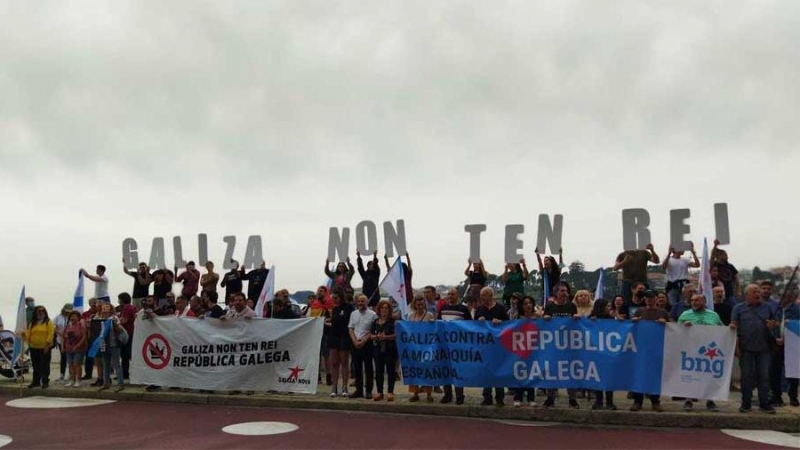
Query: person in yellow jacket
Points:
[40, 337]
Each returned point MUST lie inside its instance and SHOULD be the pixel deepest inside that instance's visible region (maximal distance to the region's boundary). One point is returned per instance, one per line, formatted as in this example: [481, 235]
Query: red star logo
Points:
[711, 353]
[295, 372]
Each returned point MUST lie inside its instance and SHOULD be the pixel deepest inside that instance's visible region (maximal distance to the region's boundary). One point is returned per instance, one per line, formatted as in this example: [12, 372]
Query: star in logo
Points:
[711, 353]
[295, 372]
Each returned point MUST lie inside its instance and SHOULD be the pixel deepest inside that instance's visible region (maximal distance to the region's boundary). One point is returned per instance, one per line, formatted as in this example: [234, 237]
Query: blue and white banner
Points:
[646, 357]
[791, 348]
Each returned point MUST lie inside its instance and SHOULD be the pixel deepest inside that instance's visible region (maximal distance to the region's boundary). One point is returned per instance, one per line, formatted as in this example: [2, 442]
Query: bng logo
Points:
[709, 359]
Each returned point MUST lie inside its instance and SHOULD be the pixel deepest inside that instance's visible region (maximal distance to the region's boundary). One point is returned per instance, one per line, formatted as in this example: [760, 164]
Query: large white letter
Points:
[678, 229]
[253, 255]
[177, 250]
[129, 253]
[395, 238]
[227, 263]
[475, 231]
[157, 254]
[548, 233]
[366, 237]
[202, 249]
[635, 235]
[721, 223]
[513, 243]
[338, 243]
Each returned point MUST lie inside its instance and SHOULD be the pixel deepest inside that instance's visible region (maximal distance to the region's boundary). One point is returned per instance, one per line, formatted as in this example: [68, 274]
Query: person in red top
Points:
[190, 279]
[127, 316]
[76, 343]
[88, 365]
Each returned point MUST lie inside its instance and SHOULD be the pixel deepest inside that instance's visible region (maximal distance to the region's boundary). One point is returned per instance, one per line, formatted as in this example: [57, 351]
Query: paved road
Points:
[122, 425]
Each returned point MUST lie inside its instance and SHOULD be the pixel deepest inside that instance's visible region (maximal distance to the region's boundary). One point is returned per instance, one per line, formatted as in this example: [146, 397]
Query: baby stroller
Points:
[7, 369]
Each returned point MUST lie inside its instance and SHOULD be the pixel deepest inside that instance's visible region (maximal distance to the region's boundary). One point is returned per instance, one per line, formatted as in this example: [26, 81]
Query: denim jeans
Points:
[755, 374]
[110, 358]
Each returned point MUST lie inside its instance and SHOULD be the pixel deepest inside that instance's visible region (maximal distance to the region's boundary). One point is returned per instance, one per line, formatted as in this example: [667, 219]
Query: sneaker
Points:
[486, 402]
[68, 383]
[744, 409]
[438, 390]
[574, 404]
[76, 384]
[794, 402]
[657, 407]
[549, 403]
[532, 404]
[517, 404]
[459, 400]
[334, 394]
[344, 393]
[596, 406]
[445, 400]
[611, 407]
[687, 405]
[636, 407]
[768, 409]
[712, 406]
[97, 383]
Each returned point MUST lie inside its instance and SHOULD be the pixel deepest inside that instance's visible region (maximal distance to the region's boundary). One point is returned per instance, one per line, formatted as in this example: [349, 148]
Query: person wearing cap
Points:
[699, 315]
[60, 323]
[656, 314]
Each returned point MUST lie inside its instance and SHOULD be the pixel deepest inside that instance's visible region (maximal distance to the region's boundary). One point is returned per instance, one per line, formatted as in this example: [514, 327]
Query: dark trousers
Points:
[639, 398]
[125, 356]
[609, 395]
[499, 393]
[362, 362]
[62, 364]
[384, 363]
[40, 360]
[88, 366]
[448, 392]
[776, 367]
[529, 393]
[755, 374]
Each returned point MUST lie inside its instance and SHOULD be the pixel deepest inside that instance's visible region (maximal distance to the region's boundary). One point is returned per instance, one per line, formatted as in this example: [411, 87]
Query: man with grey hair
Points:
[493, 312]
[360, 326]
[753, 321]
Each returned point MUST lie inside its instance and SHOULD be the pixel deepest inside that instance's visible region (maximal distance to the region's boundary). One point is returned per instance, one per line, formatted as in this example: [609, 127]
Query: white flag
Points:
[21, 326]
[77, 299]
[791, 349]
[598, 293]
[267, 292]
[395, 284]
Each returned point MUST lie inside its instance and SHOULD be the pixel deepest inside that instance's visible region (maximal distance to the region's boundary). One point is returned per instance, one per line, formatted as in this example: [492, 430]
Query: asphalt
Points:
[787, 418]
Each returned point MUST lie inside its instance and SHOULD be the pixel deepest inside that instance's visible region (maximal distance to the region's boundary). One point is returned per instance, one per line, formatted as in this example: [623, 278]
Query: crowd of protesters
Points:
[359, 332]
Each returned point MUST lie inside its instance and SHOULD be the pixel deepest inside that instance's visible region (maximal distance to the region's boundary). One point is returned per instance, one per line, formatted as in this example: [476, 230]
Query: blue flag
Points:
[546, 280]
[77, 299]
[106, 328]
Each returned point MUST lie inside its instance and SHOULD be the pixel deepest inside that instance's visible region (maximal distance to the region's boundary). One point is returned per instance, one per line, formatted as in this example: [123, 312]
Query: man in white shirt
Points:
[100, 283]
[360, 326]
[677, 270]
[239, 308]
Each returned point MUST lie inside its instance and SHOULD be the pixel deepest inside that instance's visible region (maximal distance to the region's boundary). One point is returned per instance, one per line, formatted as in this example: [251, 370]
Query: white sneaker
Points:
[68, 383]
[517, 404]
[76, 384]
[333, 393]
[532, 404]
[60, 378]
[344, 393]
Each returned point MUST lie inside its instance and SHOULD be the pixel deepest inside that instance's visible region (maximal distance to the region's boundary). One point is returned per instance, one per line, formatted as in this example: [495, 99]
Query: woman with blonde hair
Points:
[583, 301]
[40, 336]
[420, 313]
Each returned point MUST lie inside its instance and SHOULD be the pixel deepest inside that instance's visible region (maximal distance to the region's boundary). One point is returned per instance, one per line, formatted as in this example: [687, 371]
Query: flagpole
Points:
[784, 296]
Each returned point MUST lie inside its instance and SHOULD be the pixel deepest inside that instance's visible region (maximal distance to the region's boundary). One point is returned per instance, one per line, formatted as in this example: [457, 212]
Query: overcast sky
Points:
[142, 119]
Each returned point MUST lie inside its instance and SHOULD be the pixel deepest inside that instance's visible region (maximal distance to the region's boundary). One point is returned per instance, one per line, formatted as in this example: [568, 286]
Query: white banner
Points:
[698, 361]
[223, 355]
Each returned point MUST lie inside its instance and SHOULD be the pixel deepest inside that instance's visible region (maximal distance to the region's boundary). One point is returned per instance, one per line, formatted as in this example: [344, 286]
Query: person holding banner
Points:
[385, 350]
[790, 311]
[527, 311]
[39, 336]
[239, 309]
[601, 309]
[653, 313]
[699, 315]
[339, 343]
[753, 321]
[561, 307]
[454, 310]
[419, 313]
[495, 313]
[359, 329]
[583, 303]
[685, 303]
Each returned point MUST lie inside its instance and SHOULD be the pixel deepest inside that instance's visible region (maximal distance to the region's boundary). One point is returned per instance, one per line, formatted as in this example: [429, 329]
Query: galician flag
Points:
[77, 300]
[547, 288]
[395, 284]
[705, 277]
[267, 292]
[21, 327]
[598, 292]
